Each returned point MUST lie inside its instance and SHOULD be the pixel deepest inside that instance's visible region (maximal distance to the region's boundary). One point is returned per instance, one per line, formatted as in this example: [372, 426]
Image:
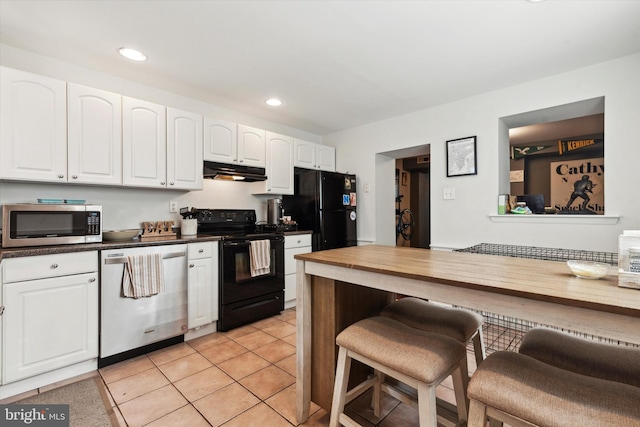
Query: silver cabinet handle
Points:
[191, 265]
[74, 176]
[162, 183]
[201, 250]
[92, 279]
[171, 183]
[54, 265]
[60, 176]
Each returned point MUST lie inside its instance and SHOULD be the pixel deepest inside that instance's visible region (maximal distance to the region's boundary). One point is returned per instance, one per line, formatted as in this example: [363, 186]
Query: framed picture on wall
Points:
[461, 156]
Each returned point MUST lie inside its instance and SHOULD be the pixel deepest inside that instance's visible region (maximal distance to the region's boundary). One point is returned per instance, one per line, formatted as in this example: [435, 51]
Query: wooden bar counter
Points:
[338, 287]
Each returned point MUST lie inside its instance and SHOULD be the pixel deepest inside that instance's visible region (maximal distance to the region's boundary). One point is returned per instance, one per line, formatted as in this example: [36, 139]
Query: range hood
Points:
[214, 170]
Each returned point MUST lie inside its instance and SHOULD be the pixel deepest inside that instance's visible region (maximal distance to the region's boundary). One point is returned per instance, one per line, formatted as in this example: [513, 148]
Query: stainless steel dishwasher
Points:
[128, 323]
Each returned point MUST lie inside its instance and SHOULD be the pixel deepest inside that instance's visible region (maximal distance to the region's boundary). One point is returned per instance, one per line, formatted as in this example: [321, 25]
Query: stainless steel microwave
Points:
[40, 224]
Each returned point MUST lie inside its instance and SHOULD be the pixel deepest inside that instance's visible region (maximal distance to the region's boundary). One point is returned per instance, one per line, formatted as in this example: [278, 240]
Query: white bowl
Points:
[588, 269]
[113, 235]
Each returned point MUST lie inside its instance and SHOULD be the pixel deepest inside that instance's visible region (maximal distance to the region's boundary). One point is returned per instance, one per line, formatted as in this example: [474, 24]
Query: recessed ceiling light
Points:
[134, 55]
[273, 102]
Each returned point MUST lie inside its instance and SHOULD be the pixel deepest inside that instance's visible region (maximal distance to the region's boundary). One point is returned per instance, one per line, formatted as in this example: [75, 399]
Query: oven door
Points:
[236, 282]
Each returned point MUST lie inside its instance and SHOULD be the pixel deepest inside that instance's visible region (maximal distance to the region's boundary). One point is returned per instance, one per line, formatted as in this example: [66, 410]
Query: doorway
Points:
[413, 193]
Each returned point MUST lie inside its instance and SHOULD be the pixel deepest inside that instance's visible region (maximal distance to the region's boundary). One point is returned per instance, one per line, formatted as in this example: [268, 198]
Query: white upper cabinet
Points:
[144, 143]
[314, 156]
[33, 127]
[220, 141]
[95, 136]
[184, 150]
[325, 158]
[230, 143]
[279, 166]
[251, 146]
[304, 154]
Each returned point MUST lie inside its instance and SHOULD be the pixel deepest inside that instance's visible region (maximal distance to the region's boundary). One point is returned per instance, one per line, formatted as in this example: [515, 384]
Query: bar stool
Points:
[521, 391]
[606, 361]
[460, 324]
[417, 358]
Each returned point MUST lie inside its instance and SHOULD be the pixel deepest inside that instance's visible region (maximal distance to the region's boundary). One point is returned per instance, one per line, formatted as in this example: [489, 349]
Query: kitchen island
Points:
[341, 286]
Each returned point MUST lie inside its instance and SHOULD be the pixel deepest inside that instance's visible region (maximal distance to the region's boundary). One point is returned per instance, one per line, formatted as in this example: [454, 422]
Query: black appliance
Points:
[242, 298]
[242, 173]
[324, 202]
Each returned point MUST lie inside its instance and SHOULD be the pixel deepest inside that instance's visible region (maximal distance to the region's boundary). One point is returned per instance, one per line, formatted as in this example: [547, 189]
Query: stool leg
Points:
[477, 414]
[343, 369]
[427, 405]
[460, 379]
[478, 347]
[377, 393]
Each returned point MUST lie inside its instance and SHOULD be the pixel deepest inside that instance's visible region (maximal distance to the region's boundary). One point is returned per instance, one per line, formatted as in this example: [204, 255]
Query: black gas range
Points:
[246, 294]
[233, 223]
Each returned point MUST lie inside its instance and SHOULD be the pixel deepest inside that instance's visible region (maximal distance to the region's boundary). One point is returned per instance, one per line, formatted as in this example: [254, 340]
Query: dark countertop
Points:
[59, 249]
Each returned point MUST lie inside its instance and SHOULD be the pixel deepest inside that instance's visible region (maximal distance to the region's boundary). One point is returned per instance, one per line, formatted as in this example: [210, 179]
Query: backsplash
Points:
[126, 207]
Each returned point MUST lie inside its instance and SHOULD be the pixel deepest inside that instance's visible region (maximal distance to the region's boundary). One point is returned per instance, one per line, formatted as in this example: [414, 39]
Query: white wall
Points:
[466, 220]
[127, 207]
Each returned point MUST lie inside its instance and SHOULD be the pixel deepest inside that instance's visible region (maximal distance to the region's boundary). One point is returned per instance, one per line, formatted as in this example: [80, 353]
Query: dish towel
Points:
[143, 276]
[260, 257]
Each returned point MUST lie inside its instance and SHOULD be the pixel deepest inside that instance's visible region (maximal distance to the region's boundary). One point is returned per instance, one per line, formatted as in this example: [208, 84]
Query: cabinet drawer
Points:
[43, 266]
[297, 240]
[201, 250]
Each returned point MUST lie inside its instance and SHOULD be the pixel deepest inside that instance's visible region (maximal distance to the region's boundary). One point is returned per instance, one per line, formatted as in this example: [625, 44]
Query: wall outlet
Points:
[366, 188]
[449, 193]
[173, 207]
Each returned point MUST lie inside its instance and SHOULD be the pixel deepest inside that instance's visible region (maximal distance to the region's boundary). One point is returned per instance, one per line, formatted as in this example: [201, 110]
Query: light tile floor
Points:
[241, 378]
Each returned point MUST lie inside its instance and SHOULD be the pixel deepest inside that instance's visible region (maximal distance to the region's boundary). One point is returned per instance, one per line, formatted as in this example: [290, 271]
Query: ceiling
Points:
[335, 64]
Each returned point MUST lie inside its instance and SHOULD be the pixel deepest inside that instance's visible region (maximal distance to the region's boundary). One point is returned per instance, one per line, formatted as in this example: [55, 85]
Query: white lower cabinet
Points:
[50, 318]
[202, 289]
[293, 245]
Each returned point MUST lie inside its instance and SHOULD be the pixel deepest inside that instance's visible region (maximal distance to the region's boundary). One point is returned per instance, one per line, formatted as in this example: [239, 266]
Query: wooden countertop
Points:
[549, 281]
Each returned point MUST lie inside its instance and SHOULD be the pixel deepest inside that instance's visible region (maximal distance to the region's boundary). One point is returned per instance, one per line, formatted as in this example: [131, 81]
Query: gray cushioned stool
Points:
[522, 391]
[457, 323]
[606, 361]
[418, 358]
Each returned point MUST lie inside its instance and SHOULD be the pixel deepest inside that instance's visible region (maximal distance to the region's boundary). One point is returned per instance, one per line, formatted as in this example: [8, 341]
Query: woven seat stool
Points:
[596, 359]
[417, 358]
[521, 391]
[458, 323]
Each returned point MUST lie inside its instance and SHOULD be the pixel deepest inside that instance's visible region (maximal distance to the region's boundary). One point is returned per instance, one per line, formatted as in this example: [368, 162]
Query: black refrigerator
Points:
[324, 202]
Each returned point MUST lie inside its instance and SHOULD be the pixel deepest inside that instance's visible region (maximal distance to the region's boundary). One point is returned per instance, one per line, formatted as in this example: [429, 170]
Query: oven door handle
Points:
[247, 242]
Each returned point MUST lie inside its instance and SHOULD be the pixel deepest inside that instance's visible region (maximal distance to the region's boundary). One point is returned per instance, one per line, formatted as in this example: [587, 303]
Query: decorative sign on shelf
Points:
[158, 230]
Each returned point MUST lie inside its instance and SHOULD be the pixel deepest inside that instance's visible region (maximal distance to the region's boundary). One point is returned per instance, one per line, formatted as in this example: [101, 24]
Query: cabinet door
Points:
[184, 150]
[199, 293]
[304, 154]
[202, 293]
[251, 146]
[33, 127]
[49, 324]
[325, 158]
[220, 141]
[95, 136]
[144, 143]
[279, 166]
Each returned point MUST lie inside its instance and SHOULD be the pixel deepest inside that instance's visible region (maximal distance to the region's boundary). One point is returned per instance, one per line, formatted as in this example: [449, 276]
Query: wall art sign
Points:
[577, 186]
[461, 156]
